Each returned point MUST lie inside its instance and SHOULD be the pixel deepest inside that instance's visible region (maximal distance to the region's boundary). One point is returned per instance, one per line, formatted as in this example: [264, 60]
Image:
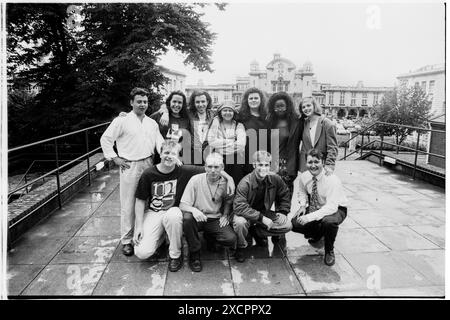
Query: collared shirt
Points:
[135, 139]
[330, 191]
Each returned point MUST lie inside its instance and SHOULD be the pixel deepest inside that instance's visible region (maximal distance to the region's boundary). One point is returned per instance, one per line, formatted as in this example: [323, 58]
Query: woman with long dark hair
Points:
[200, 116]
[179, 122]
[252, 114]
[286, 128]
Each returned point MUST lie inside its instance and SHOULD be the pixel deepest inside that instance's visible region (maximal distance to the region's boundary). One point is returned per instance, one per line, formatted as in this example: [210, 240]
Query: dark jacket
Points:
[293, 145]
[276, 192]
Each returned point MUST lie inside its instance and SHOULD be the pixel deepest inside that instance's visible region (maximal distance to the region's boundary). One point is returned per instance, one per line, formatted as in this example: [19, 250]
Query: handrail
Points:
[57, 137]
[343, 158]
[54, 170]
[58, 167]
[408, 127]
[416, 149]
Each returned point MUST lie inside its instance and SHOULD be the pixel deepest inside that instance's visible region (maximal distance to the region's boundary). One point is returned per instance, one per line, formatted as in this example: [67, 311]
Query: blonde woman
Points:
[319, 133]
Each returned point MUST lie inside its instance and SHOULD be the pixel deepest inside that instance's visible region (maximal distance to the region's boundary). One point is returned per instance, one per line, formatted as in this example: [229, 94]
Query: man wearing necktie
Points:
[323, 205]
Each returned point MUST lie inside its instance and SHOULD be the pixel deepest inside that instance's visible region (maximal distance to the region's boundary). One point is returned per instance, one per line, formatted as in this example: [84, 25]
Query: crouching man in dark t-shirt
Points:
[163, 185]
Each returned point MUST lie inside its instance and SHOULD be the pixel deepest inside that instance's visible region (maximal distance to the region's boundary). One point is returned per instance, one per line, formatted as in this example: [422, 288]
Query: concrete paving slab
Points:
[358, 240]
[316, 277]
[381, 200]
[349, 223]
[71, 210]
[435, 234]
[297, 246]
[425, 204]
[381, 270]
[66, 279]
[348, 294]
[89, 197]
[430, 263]
[264, 277]
[35, 250]
[57, 227]
[100, 226]
[87, 250]
[370, 218]
[417, 217]
[108, 208]
[220, 253]
[133, 279]
[401, 238]
[214, 280]
[104, 183]
[160, 255]
[427, 292]
[19, 276]
[270, 251]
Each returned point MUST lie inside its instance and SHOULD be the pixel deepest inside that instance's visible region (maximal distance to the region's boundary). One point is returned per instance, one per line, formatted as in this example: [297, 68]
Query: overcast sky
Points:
[344, 42]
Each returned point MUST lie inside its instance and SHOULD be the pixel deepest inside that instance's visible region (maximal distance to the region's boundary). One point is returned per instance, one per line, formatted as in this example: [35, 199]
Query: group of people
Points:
[229, 173]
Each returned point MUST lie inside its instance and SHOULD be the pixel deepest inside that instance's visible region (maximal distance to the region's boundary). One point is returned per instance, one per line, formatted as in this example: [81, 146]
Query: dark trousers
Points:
[225, 236]
[327, 227]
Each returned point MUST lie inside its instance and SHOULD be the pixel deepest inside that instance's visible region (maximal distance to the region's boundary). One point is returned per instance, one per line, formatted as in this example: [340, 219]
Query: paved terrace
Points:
[395, 229]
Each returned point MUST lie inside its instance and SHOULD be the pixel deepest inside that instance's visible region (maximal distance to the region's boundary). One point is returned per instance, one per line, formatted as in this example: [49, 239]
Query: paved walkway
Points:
[391, 244]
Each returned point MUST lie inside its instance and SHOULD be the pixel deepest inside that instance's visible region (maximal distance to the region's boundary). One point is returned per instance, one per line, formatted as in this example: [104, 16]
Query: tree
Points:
[85, 74]
[406, 106]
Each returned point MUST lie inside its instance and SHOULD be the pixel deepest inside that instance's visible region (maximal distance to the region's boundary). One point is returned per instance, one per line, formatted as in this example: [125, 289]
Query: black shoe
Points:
[176, 264]
[194, 261]
[127, 249]
[329, 258]
[240, 255]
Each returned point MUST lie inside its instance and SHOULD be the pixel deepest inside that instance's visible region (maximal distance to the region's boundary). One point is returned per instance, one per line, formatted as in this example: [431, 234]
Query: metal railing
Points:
[58, 168]
[398, 146]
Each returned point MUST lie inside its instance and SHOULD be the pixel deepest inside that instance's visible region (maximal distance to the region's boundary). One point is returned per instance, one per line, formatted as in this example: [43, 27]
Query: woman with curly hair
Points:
[201, 116]
[319, 133]
[286, 129]
[178, 117]
[252, 114]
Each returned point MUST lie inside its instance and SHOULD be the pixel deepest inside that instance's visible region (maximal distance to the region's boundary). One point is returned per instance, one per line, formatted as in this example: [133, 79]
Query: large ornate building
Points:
[281, 74]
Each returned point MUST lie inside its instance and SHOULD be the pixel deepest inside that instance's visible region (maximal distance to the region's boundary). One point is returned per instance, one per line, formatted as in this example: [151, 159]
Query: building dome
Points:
[254, 66]
[307, 66]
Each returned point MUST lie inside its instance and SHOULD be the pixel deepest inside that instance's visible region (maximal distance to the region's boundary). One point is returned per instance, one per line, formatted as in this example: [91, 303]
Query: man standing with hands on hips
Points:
[323, 205]
[137, 137]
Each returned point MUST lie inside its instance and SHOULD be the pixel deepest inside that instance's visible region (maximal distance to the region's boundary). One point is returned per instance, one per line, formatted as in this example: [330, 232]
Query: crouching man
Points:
[206, 206]
[323, 205]
[255, 195]
[162, 186]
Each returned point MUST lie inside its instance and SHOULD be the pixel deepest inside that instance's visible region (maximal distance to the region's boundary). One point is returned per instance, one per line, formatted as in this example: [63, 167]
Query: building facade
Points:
[431, 79]
[176, 80]
[218, 92]
[350, 101]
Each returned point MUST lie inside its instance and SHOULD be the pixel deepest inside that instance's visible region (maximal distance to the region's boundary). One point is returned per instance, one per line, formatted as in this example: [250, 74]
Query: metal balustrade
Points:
[58, 169]
[382, 142]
